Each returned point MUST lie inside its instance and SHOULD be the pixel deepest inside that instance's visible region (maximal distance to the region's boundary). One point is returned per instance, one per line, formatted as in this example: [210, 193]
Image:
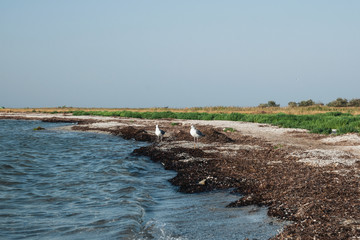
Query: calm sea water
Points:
[74, 185]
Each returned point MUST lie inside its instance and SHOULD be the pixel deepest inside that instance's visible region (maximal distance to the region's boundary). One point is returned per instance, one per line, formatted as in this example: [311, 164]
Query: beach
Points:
[311, 180]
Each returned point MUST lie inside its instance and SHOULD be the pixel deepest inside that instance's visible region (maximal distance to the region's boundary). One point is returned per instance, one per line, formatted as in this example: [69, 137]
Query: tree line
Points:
[339, 102]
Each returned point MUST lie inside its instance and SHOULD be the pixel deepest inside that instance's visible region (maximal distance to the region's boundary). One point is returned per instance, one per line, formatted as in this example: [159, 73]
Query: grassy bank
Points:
[316, 119]
[316, 123]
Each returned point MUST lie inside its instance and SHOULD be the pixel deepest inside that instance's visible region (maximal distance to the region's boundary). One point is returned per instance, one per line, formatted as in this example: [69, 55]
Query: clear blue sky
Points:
[159, 53]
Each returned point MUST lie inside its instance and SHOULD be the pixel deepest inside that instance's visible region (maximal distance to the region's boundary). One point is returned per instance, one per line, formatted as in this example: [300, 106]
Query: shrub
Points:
[292, 104]
[346, 129]
[354, 103]
[269, 104]
[273, 104]
[306, 103]
[339, 102]
[321, 130]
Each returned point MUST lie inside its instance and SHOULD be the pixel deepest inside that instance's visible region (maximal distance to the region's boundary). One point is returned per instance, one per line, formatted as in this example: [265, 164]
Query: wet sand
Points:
[309, 179]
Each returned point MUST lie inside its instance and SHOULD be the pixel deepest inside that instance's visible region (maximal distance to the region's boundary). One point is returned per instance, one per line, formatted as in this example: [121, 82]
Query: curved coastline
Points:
[309, 179]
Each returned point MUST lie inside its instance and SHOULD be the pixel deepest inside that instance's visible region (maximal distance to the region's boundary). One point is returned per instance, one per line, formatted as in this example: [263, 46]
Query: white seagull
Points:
[196, 134]
[159, 133]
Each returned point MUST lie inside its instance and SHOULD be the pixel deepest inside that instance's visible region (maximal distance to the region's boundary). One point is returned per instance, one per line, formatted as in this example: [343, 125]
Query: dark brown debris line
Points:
[320, 204]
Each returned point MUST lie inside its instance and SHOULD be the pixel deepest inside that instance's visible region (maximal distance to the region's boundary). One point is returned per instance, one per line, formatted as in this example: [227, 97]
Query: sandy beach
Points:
[309, 179]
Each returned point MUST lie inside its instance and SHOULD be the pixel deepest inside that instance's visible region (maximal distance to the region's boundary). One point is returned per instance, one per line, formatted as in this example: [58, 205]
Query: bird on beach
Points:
[196, 134]
[159, 133]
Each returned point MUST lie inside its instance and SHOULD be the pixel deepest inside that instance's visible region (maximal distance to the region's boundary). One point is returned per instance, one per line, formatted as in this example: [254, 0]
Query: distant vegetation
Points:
[343, 102]
[339, 102]
[340, 114]
[316, 123]
[269, 104]
[305, 103]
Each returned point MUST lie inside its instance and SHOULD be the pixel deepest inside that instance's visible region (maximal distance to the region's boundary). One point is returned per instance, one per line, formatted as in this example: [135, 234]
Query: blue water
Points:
[57, 184]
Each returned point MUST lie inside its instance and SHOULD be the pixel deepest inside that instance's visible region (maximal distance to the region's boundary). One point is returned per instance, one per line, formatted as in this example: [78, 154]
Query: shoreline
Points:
[309, 179]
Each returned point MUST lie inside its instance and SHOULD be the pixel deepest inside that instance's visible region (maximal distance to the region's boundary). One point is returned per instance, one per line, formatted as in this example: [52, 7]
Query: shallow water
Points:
[75, 185]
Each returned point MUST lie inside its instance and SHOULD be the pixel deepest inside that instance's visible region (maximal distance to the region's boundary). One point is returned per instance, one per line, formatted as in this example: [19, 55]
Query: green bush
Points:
[292, 104]
[321, 130]
[269, 104]
[354, 103]
[229, 129]
[347, 129]
[339, 102]
[306, 103]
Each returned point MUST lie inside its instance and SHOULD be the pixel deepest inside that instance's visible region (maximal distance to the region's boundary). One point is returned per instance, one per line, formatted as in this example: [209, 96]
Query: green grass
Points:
[278, 146]
[229, 129]
[316, 123]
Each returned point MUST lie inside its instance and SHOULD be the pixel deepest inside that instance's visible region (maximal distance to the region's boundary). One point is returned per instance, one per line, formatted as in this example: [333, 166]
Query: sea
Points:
[58, 184]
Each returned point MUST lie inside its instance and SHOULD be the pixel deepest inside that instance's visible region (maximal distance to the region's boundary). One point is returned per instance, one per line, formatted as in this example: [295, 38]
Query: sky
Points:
[161, 53]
